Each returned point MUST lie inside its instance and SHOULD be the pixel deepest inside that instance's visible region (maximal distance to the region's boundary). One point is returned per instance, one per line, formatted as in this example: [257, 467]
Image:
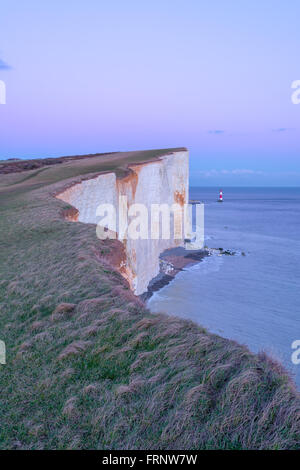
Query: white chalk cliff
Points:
[163, 180]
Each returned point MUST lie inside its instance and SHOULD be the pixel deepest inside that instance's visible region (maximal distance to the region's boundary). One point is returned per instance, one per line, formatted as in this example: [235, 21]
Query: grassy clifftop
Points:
[89, 367]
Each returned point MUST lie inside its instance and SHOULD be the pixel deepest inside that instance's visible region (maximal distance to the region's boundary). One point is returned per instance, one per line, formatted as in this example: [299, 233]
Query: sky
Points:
[99, 76]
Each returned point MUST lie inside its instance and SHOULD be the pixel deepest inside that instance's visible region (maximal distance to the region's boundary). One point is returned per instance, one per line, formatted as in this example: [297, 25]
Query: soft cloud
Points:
[245, 172]
[235, 172]
[281, 129]
[3, 65]
[216, 132]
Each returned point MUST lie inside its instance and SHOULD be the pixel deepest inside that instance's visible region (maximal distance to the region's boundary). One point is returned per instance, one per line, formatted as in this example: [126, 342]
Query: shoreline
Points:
[172, 261]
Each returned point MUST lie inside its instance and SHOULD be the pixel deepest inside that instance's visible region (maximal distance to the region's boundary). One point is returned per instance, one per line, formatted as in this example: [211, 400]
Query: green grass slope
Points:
[88, 367]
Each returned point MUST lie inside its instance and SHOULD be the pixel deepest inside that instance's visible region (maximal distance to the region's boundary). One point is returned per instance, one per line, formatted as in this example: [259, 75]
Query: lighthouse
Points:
[220, 196]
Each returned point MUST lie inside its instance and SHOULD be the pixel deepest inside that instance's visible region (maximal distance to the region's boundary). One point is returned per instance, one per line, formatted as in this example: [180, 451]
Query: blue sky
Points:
[215, 76]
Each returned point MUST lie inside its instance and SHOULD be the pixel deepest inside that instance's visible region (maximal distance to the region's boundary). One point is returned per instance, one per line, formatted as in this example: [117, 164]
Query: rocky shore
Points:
[174, 260]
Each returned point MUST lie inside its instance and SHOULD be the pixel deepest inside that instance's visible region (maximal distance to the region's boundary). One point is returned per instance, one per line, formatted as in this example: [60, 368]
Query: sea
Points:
[252, 297]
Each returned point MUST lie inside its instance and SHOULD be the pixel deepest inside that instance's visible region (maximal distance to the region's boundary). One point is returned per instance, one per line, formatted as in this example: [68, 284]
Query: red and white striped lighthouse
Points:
[221, 196]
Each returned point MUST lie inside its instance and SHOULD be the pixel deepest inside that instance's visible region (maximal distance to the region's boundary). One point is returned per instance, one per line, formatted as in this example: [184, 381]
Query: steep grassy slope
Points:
[89, 367]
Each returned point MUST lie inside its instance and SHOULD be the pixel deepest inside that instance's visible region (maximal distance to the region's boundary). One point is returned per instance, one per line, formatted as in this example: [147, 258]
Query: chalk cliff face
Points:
[160, 181]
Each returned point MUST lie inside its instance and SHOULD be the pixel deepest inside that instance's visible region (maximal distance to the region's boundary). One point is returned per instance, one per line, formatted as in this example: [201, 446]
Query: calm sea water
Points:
[254, 299]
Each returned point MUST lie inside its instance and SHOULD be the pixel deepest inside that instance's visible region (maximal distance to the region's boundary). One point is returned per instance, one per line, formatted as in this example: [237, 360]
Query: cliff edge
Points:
[160, 180]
